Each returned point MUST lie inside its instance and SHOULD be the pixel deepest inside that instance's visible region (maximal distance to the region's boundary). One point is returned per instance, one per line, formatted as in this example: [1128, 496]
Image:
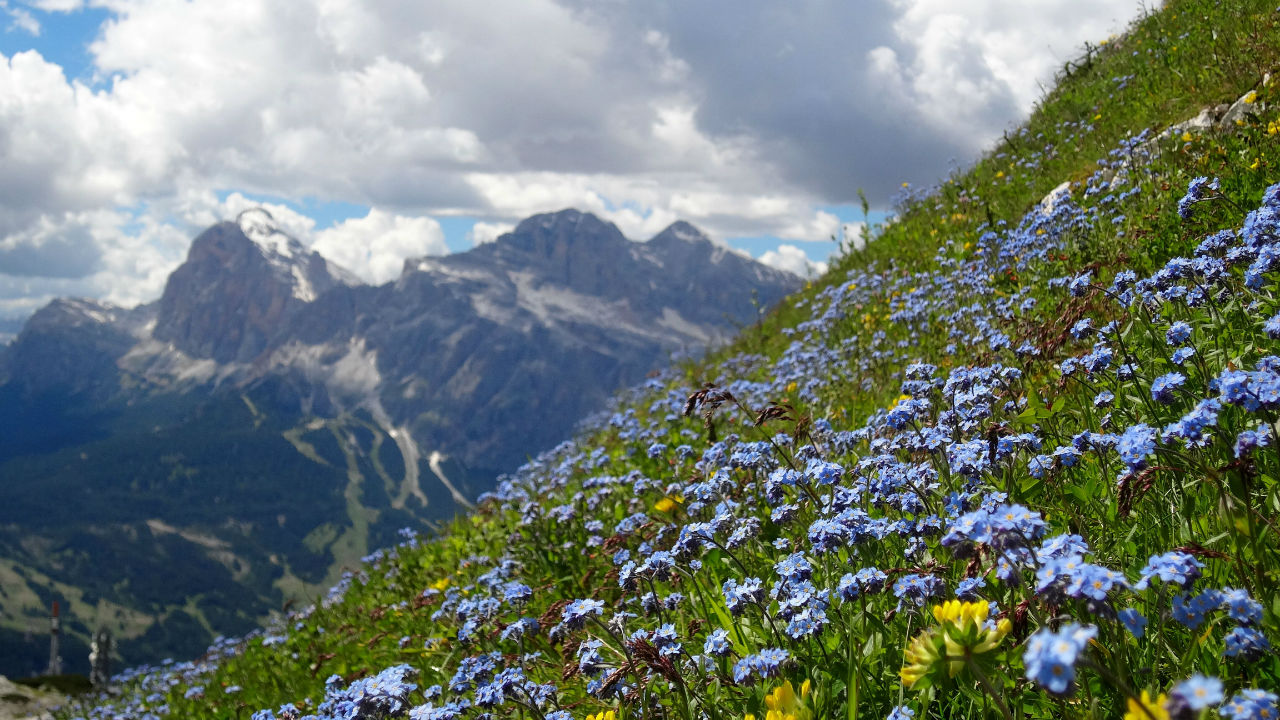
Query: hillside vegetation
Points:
[1015, 459]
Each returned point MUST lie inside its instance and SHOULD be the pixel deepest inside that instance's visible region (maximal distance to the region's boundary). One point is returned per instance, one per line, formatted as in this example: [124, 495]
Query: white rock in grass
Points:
[1246, 106]
[1055, 196]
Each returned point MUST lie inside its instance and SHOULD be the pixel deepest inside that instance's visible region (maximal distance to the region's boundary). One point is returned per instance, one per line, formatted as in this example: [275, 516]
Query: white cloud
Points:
[20, 19]
[375, 246]
[484, 232]
[957, 62]
[854, 236]
[86, 254]
[56, 5]
[793, 260]
[821, 227]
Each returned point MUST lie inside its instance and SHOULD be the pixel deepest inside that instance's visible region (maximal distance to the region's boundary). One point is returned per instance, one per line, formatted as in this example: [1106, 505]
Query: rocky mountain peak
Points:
[679, 232]
[260, 226]
[74, 312]
[553, 235]
[240, 281]
[570, 248]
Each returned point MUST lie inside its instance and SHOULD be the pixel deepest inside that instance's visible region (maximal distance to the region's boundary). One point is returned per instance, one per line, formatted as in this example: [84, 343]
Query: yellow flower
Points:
[441, 584]
[963, 632]
[999, 174]
[919, 659]
[607, 715]
[1250, 98]
[784, 704]
[957, 612]
[1148, 708]
[1186, 136]
[668, 503]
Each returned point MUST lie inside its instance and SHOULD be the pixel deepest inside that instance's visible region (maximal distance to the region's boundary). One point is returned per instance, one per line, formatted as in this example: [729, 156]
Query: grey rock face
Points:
[69, 346]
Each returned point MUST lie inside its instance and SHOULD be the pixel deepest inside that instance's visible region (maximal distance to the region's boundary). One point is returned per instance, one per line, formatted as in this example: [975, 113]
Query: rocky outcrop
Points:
[19, 702]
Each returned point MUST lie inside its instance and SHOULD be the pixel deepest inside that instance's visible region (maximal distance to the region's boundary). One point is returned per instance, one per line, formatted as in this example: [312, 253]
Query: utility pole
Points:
[55, 660]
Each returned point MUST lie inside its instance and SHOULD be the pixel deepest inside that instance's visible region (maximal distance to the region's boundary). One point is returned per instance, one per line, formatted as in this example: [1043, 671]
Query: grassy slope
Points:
[933, 286]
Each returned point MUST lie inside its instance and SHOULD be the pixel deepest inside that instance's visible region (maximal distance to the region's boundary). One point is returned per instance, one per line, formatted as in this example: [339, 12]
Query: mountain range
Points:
[176, 470]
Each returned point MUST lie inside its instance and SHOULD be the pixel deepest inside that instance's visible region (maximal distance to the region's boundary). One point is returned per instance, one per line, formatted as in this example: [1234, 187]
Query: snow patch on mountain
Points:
[674, 321]
[258, 225]
[302, 288]
[555, 305]
[687, 233]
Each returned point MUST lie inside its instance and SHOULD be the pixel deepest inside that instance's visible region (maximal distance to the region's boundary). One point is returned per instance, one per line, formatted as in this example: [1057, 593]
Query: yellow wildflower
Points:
[441, 584]
[920, 657]
[963, 633]
[784, 704]
[1186, 136]
[668, 503]
[1148, 708]
[607, 715]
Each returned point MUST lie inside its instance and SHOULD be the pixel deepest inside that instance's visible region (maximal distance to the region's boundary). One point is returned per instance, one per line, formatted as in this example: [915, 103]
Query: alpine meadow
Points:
[1017, 457]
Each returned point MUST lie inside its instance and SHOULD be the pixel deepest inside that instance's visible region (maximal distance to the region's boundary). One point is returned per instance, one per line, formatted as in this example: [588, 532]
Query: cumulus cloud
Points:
[962, 66]
[744, 118]
[87, 254]
[51, 249]
[483, 232]
[793, 260]
[854, 236]
[375, 246]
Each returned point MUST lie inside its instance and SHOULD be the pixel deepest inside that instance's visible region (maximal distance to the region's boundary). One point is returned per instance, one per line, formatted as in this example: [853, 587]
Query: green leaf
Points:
[1031, 487]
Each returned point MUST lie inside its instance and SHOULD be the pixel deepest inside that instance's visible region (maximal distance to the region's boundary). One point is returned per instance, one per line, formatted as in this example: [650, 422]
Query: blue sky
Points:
[64, 39]
[376, 133]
